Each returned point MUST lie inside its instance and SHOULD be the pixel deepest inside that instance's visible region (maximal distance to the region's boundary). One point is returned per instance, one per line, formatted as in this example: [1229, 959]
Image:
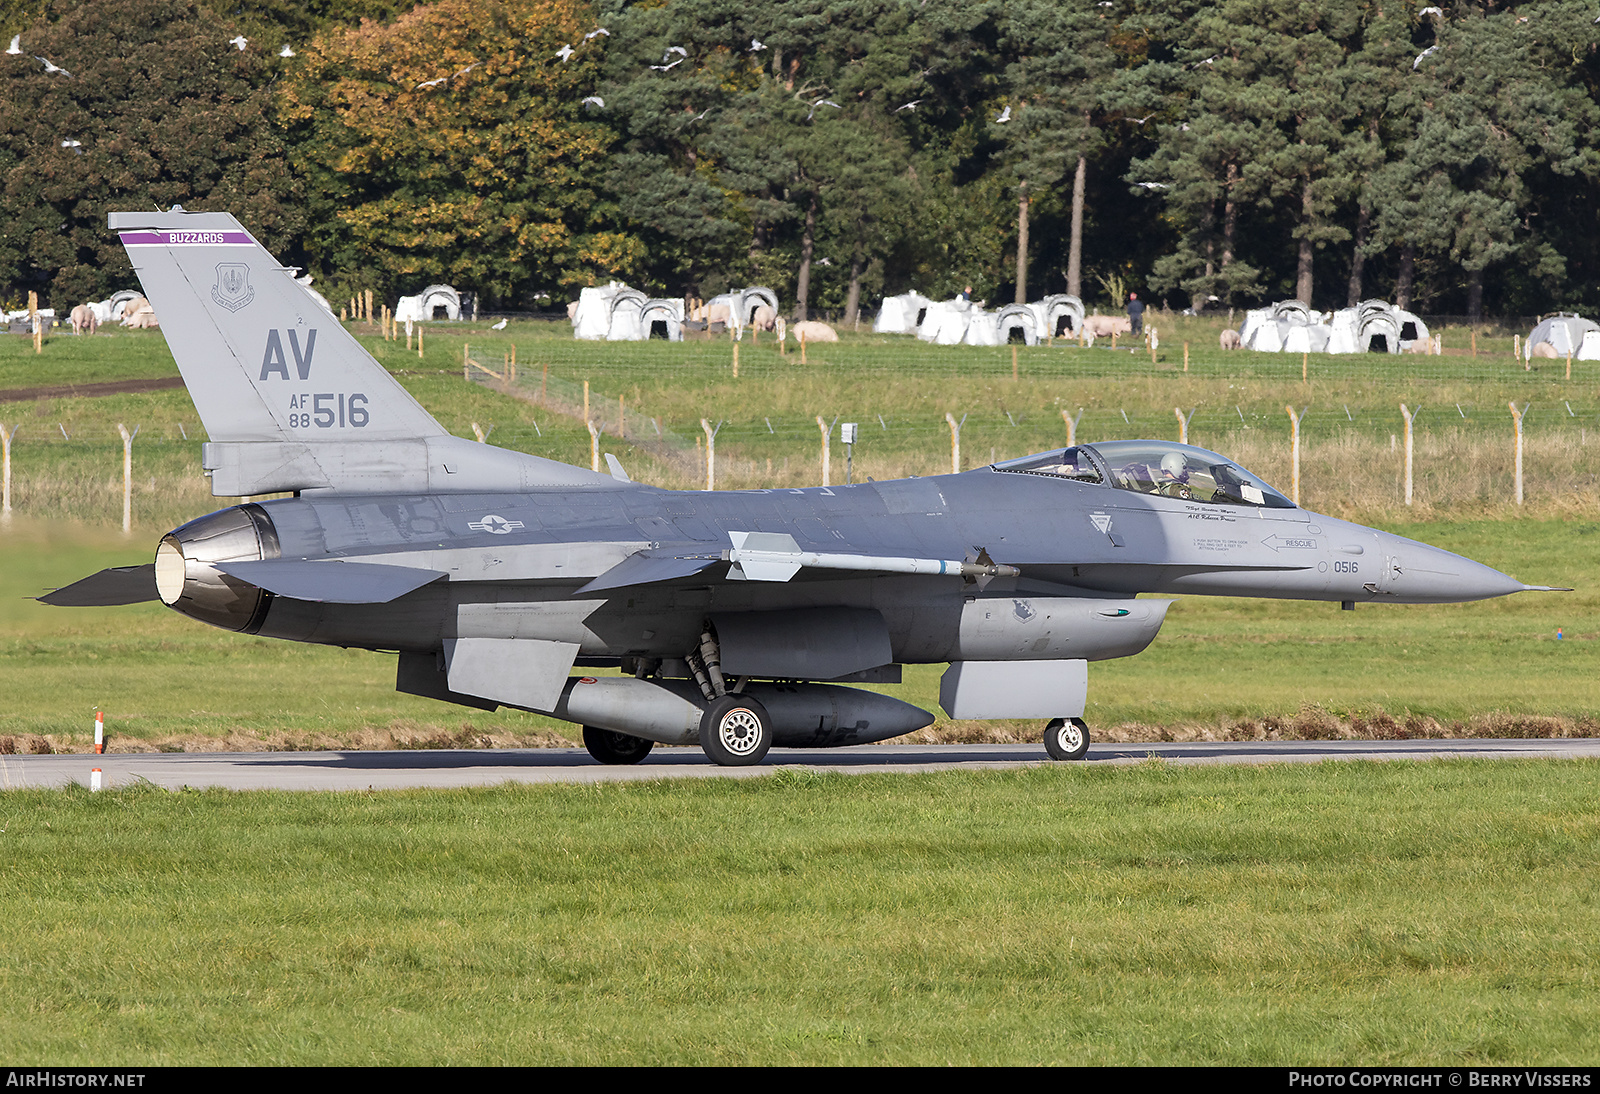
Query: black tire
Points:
[736, 731]
[610, 747]
[1067, 739]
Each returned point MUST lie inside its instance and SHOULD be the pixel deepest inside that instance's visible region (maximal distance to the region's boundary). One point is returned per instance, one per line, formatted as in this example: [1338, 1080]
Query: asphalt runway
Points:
[451, 768]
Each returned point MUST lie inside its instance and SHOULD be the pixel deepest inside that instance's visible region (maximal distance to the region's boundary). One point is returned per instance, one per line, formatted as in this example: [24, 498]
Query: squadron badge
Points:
[233, 289]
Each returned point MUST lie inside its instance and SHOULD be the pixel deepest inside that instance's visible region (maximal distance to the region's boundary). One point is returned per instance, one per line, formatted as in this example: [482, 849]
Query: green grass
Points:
[1406, 913]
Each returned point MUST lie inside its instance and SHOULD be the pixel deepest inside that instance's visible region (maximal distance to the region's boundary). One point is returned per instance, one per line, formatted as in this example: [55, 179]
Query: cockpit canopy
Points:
[1155, 467]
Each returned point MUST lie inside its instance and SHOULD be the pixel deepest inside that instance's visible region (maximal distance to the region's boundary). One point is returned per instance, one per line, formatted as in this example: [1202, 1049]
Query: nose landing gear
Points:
[1066, 739]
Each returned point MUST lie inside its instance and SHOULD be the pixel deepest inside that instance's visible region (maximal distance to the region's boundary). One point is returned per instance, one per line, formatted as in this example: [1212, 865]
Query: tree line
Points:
[1209, 153]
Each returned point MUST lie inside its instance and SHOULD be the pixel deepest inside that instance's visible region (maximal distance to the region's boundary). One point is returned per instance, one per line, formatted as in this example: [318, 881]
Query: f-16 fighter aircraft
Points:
[734, 617]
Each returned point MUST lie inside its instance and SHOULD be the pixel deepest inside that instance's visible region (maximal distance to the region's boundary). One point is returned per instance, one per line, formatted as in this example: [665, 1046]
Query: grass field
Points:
[1405, 913]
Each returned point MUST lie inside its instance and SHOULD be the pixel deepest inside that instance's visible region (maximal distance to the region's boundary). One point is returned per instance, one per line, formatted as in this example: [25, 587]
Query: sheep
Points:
[1230, 339]
[83, 320]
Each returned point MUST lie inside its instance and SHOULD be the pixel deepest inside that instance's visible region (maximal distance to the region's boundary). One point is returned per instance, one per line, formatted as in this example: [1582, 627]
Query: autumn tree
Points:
[453, 144]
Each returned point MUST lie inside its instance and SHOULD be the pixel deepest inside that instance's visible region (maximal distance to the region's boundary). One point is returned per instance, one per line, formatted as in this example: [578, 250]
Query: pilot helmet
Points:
[1172, 463]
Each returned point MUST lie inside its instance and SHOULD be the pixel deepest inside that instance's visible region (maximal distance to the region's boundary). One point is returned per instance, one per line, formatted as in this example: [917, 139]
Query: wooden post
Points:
[408, 339]
[1569, 362]
[1186, 357]
[1410, 417]
[736, 360]
[1516, 346]
[1113, 339]
[800, 334]
[5, 470]
[955, 441]
[127, 476]
[1183, 423]
[711, 454]
[1072, 425]
[594, 445]
[826, 431]
[1294, 455]
[1305, 368]
[369, 305]
[1516, 418]
[477, 431]
[1474, 341]
[419, 341]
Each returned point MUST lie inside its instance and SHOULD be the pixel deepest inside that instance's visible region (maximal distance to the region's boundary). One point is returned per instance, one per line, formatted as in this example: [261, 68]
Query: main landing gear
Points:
[1066, 739]
[610, 747]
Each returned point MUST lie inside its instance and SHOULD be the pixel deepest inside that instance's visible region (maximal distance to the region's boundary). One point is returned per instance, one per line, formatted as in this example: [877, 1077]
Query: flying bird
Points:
[76, 146]
[500, 325]
[1430, 11]
[1005, 116]
[595, 31]
[286, 52]
[912, 105]
[822, 102]
[756, 46]
[679, 50]
[49, 68]
[1141, 121]
[16, 45]
[1423, 56]
[241, 41]
[1154, 185]
[593, 100]
[469, 68]
[565, 53]
[1207, 61]
[668, 68]
[432, 83]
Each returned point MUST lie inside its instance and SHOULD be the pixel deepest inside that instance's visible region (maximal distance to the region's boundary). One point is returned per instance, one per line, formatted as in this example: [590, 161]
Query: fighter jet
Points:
[732, 619]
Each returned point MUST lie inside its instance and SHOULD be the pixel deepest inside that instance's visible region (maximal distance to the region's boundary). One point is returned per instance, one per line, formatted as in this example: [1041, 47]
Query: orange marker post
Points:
[99, 733]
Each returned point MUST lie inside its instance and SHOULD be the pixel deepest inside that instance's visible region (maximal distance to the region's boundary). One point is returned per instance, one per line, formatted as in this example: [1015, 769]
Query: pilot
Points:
[1172, 477]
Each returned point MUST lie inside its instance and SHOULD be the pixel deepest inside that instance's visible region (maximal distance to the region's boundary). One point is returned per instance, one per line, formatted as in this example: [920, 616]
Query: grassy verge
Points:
[1432, 913]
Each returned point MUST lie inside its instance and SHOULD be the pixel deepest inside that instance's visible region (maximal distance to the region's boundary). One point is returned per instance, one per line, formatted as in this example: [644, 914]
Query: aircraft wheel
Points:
[1067, 739]
[736, 731]
[610, 747]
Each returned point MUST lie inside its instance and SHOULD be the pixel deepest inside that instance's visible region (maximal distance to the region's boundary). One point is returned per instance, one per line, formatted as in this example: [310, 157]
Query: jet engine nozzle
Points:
[188, 580]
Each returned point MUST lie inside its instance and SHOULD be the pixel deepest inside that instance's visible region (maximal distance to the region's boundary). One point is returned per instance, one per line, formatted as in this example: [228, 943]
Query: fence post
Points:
[127, 476]
[1186, 357]
[1294, 453]
[711, 455]
[736, 360]
[955, 441]
[594, 446]
[827, 431]
[1410, 417]
[1516, 418]
[419, 340]
[1183, 423]
[1072, 426]
[5, 470]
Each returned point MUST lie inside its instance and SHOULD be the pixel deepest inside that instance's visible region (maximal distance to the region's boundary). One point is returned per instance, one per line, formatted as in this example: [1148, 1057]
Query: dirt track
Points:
[83, 391]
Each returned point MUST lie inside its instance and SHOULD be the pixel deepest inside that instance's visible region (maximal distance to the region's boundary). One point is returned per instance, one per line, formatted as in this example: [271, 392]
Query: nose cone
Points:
[1415, 573]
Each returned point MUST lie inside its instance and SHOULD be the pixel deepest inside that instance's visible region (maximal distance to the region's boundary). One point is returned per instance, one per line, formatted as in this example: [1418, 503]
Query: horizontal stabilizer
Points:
[118, 585]
[647, 568]
[332, 582]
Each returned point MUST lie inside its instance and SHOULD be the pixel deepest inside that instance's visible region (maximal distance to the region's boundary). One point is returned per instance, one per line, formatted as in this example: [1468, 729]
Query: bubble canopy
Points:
[1155, 467]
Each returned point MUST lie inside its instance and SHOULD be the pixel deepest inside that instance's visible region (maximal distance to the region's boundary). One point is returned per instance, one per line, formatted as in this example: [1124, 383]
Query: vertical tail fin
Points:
[290, 399]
